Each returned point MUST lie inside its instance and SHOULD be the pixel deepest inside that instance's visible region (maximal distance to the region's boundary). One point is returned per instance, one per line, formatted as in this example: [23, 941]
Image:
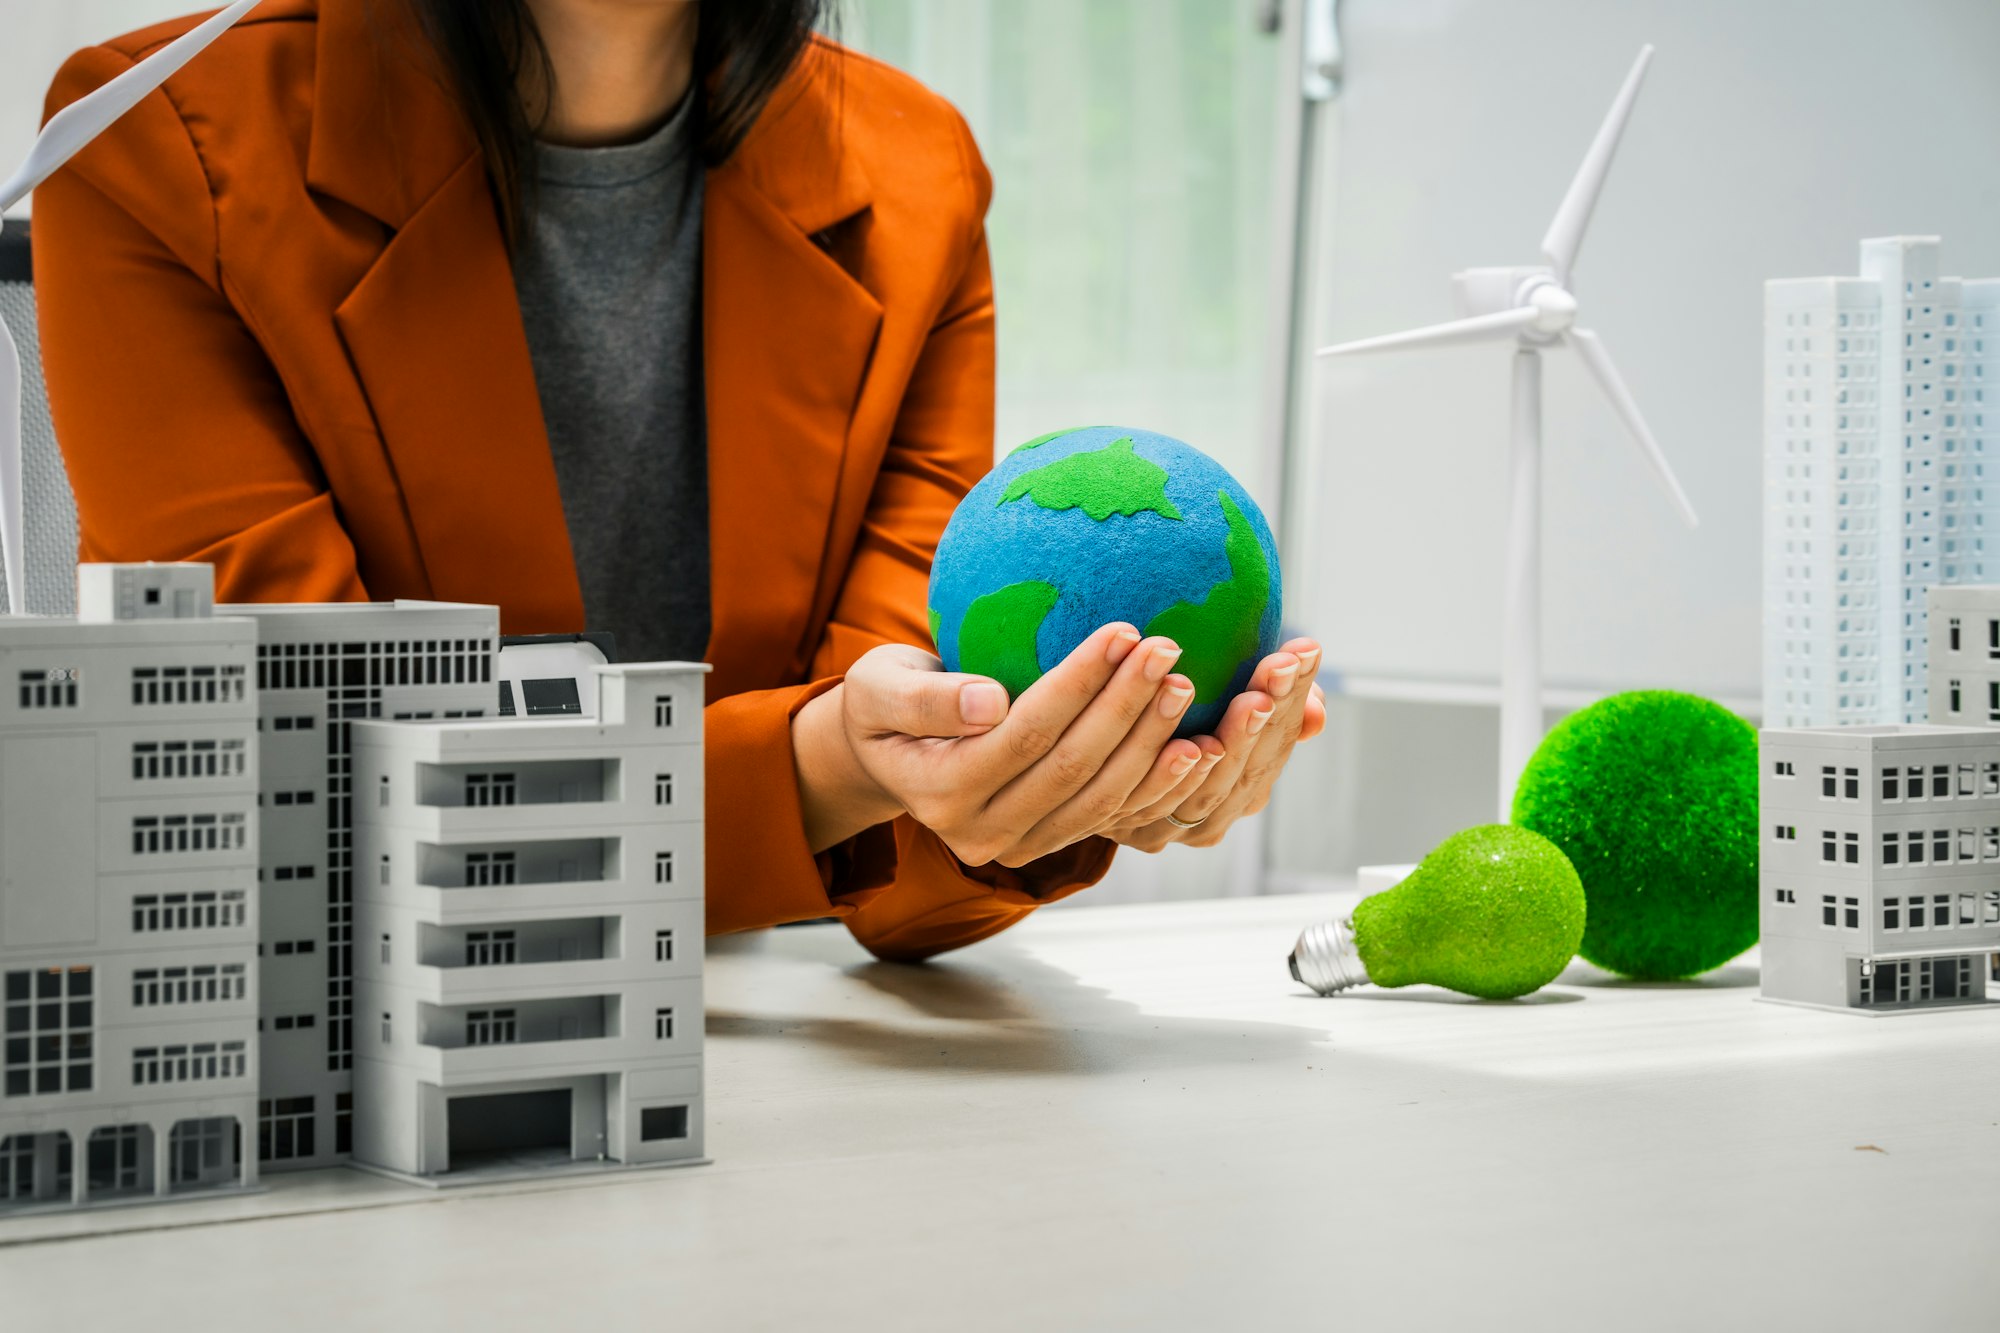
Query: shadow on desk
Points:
[1000, 1011]
[1730, 976]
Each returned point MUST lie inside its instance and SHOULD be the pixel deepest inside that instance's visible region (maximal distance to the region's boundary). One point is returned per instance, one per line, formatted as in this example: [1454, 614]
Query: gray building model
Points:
[1879, 870]
[192, 830]
[529, 907]
[128, 903]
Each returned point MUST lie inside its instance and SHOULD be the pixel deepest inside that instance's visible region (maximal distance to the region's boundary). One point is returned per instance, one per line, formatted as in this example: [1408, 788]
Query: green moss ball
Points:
[1494, 912]
[1653, 797]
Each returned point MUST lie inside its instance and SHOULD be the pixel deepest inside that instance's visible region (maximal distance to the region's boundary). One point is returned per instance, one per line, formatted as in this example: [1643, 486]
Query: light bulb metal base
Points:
[1326, 959]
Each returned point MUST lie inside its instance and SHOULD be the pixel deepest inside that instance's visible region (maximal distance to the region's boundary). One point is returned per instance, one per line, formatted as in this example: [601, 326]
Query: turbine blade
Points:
[1598, 362]
[1480, 328]
[10, 473]
[84, 119]
[1565, 234]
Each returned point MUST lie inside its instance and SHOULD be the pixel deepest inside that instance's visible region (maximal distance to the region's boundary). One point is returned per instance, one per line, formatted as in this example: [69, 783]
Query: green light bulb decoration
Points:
[1496, 911]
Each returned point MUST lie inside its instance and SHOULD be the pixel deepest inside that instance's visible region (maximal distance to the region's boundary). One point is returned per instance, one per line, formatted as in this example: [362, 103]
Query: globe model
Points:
[1080, 528]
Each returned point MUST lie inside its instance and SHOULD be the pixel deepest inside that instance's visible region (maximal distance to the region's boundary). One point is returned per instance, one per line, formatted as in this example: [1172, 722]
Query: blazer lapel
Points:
[787, 338]
[434, 331]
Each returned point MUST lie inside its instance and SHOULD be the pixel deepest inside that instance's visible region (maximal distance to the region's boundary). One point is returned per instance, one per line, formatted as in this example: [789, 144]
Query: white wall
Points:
[1770, 137]
[40, 35]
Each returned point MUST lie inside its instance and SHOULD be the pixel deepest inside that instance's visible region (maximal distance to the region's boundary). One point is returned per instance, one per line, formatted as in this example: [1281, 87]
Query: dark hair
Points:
[742, 51]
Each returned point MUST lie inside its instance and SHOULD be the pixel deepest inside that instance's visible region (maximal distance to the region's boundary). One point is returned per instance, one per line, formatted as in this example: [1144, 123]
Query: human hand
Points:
[1242, 760]
[1082, 750]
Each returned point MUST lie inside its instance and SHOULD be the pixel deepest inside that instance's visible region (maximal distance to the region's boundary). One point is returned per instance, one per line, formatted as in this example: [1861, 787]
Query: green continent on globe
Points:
[1102, 482]
[1494, 911]
[937, 623]
[1217, 633]
[1653, 797]
[1041, 440]
[997, 636]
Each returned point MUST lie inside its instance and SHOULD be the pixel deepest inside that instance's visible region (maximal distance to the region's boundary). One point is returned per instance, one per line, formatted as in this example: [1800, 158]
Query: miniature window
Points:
[1914, 842]
[198, 1062]
[1851, 912]
[1892, 914]
[1954, 634]
[1828, 910]
[663, 867]
[489, 1027]
[52, 687]
[1892, 784]
[382, 869]
[484, 868]
[285, 948]
[385, 946]
[663, 1122]
[198, 910]
[385, 1029]
[663, 710]
[1968, 845]
[1913, 785]
[490, 788]
[663, 789]
[1785, 832]
[1786, 896]
[663, 946]
[1993, 701]
[1992, 915]
[1941, 780]
[1783, 768]
[200, 984]
[284, 1128]
[663, 1024]
[1941, 910]
[1941, 846]
[1968, 909]
[382, 791]
[1989, 784]
[1891, 849]
[1851, 848]
[489, 948]
[50, 1017]
[1829, 846]
[1829, 783]
[290, 1022]
[1851, 783]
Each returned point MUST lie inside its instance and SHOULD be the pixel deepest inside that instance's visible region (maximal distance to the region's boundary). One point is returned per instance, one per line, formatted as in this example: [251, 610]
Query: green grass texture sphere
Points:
[1495, 911]
[1081, 528]
[1653, 797]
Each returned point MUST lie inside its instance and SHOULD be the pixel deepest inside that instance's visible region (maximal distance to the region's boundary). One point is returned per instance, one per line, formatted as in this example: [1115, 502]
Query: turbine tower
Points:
[66, 135]
[1532, 307]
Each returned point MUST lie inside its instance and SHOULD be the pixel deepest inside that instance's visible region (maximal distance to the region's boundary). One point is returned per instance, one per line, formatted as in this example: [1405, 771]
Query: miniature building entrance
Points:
[204, 1152]
[507, 1124]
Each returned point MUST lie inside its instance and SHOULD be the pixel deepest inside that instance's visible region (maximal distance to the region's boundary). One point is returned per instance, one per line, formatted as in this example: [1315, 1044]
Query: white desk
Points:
[1130, 1117]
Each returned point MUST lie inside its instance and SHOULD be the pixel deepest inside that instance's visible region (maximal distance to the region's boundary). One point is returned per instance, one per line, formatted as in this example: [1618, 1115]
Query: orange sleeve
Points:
[176, 429]
[915, 897]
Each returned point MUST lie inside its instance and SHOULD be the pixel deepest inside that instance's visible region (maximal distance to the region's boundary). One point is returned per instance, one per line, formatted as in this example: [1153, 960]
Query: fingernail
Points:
[981, 704]
[1257, 721]
[1175, 699]
[1161, 662]
[1183, 764]
[1309, 664]
[1282, 681]
[1122, 643]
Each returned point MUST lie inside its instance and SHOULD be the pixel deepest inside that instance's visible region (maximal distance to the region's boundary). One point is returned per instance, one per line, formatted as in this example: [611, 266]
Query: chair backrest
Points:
[47, 504]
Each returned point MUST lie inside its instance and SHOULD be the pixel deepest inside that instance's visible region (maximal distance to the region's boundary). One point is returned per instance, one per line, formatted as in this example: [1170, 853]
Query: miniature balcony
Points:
[467, 964]
[504, 784]
[504, 864]
[503, 1037]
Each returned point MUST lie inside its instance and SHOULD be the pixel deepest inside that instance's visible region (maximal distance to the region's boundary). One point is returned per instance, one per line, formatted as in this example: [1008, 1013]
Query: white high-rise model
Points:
[1533, 308]
[68, 132]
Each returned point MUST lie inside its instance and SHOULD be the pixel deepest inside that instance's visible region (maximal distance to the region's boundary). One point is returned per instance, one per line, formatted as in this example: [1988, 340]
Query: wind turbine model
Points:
[1532, 307]
[66, 135]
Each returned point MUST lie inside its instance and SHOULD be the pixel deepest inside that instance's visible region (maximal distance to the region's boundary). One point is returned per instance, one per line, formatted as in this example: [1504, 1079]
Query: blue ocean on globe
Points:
[1080, 528]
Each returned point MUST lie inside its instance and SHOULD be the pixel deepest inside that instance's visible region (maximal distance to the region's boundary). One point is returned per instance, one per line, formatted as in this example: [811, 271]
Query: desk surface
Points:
[1131, 1117]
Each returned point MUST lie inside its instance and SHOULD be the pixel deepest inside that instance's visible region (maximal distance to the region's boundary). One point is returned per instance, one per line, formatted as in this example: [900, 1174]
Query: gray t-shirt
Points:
[609, 279]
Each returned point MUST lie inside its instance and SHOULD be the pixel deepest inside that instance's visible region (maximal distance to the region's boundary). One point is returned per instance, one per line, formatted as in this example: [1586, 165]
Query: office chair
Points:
[48, 507]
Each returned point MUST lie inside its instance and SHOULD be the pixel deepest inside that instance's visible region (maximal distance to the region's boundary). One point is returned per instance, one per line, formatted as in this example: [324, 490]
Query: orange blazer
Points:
[280, 334]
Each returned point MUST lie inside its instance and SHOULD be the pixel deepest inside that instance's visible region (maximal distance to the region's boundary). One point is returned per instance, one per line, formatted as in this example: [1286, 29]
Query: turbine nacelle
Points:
[1497, 291]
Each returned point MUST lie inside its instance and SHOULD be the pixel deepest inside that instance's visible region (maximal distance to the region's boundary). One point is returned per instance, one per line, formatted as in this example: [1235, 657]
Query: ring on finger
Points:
[1185, 823]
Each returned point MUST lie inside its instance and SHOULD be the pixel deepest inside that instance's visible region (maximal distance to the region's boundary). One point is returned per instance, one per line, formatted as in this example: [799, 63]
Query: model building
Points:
[1876, 441]
[1879, 871]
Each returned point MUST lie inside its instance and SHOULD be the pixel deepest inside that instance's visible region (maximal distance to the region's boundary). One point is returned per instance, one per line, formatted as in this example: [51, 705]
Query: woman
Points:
[665, 318]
